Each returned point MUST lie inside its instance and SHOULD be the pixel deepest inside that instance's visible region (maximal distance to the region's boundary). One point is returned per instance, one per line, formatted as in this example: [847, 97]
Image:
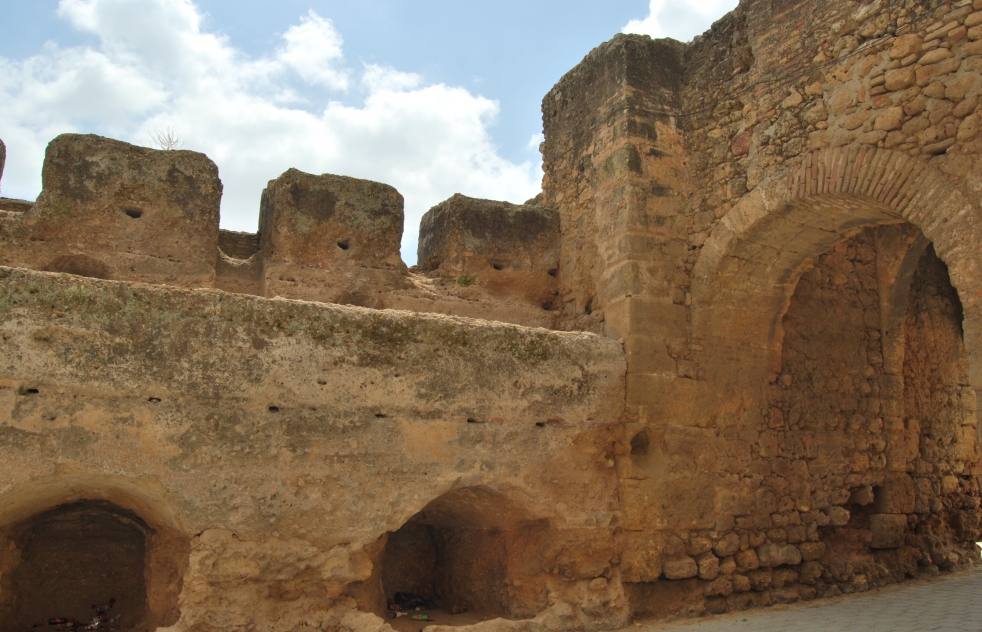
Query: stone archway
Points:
[70, 542]
[465, 554]
[811, 297]
[750, 264]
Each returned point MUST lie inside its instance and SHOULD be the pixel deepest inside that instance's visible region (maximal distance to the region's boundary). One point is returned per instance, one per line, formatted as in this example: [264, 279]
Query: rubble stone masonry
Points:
[729, 357]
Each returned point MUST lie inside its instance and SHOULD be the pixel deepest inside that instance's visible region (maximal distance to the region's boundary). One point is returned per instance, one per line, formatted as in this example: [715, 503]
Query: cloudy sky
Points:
[431, 96]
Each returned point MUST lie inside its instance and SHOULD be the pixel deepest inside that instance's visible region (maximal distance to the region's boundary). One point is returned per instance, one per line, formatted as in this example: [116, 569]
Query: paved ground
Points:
[950, 604]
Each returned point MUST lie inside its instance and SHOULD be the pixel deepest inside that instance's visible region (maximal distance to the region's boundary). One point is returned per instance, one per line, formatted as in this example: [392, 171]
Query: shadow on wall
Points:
[464, 553]
[63, 560]
[73, 557]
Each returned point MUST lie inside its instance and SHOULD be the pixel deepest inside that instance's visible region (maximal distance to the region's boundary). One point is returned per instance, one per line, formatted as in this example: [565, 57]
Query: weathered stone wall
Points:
[508, 249]
[281, 440]
[775, 229]
[115, 211]
[769, 453]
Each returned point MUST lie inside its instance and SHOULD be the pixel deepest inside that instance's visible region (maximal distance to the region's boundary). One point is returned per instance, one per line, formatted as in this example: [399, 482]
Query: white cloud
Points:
[312, 49]
[680, 19]
[155, 68]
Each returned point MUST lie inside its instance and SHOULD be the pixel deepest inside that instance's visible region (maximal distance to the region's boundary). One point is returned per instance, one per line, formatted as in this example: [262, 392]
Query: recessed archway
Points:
[71, 542]
[462, 554]
[841, 300]
[74, 557]
[750, 265]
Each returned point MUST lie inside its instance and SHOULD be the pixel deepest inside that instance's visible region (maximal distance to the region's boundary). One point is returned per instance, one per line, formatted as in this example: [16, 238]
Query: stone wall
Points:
[773, 187]
[111, 210]
[773, 232]
[275, 443]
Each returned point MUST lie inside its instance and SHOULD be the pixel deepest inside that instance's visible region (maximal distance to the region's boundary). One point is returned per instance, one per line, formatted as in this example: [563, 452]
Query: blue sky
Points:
[431, 96]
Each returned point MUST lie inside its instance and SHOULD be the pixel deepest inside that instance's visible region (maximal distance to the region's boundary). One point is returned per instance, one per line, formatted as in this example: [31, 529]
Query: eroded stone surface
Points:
[506, 248]
[773, 228]
[252, 427]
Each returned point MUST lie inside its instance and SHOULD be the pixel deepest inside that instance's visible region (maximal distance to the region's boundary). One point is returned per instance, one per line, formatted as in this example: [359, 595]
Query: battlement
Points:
[115, 211]
[774, 229]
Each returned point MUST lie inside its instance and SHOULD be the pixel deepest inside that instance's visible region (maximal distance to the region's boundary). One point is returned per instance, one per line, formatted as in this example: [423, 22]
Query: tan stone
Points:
[855, 121]
[895, 496]
[812, 550]
[957, 89]
[778, 555]
[906, 45]
[968, 128]
[965, 108]
[680, 567]
[708, 566]
[727, 546]
[747, 560]
[934, 90]
[741, 583]
[900, 78]
[838, 516]
[889, 119]
[841, 100]
[926, 74]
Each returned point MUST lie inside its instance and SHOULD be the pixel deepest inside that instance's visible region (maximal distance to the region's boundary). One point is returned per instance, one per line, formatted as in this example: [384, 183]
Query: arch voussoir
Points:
[855, 186]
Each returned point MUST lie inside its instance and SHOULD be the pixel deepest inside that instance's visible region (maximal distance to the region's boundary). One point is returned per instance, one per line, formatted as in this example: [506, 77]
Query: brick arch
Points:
[750, 265]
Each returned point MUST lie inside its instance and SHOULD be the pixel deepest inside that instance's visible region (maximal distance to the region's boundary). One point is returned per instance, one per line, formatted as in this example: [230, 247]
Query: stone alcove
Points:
[74, 556]
[62, 553]
[464, 553]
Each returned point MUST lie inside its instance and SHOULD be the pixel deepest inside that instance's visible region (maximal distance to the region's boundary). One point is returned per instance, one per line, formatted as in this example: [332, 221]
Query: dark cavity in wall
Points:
[460, 554]
[72, 557]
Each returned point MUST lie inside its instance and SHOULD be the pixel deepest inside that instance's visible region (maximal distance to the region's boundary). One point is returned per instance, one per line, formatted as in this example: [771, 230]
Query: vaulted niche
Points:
[872, 409]
[72, 557]
[464, 554]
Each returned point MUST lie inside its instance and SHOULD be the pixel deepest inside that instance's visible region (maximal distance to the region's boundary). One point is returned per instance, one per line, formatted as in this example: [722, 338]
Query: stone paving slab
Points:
[952, 603]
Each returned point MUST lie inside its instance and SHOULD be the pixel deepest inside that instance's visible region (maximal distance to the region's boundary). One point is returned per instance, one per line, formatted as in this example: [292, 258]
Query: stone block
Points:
[680, 567]
[747, 560]
[812, 550]
[778, 555]
[722, 586]
[642, 557]
[506, 248]
[760, 579]
[889, 119]
[330, 238]
[862, 496]
[889, 530]
[727, 546]
[897, 495]
[810, 573]
[708, 566]
[838, 516]
[900, 78]
[137, 214]
[658, 318]
[649, 355]
[906, 45]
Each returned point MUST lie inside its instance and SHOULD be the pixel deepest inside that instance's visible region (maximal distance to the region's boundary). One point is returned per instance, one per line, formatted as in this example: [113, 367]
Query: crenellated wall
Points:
[762, 247]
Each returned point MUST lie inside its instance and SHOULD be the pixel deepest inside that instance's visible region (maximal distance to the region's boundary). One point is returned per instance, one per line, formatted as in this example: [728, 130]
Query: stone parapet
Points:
[506, 248]
[330, 238]
[130, 212]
